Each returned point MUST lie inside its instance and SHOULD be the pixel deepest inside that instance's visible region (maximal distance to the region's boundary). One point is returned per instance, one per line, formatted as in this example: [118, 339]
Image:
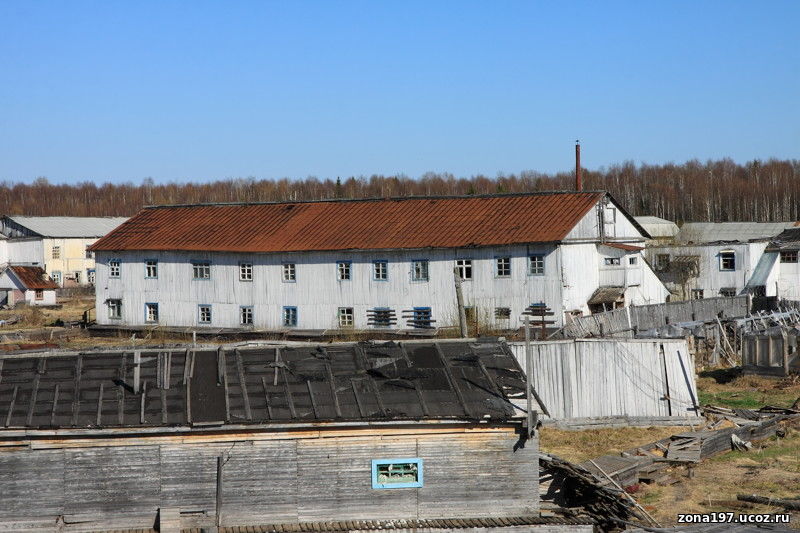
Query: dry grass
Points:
[37, 317]
[579, 446]
[728, 388]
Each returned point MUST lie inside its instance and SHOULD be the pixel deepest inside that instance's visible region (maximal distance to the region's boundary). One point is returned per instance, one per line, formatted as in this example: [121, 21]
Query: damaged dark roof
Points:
[308, 383]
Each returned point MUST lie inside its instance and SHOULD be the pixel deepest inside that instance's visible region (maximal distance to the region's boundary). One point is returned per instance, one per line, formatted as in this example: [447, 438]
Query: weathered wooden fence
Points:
[626, 321]
[773, 353]
[594, 382]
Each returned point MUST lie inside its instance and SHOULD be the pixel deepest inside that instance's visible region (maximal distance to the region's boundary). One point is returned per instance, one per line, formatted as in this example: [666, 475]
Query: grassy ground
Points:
[37, 317]
[772, 469]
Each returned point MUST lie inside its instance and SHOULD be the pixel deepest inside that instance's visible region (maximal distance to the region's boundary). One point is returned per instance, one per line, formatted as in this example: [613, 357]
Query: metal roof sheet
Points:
[33, 277]
[658, 227]
[704, 232]
[70, 227]
[432, 222]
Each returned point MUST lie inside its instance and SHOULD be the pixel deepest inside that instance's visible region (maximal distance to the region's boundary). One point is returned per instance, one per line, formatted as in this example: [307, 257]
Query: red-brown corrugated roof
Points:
[435, 222]
[33, 277]
[626, 247]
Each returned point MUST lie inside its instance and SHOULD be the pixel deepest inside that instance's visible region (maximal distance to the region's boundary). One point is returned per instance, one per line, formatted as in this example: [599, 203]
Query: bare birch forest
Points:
[712, 191]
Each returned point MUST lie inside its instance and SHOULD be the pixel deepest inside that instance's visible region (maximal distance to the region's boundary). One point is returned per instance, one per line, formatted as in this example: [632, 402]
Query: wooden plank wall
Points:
[771, 354]
[593, 378]
[622, 322]
[466, 473]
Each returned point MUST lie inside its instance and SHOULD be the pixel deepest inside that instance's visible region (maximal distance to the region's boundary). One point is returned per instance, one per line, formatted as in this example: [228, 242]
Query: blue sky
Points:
[195, 91]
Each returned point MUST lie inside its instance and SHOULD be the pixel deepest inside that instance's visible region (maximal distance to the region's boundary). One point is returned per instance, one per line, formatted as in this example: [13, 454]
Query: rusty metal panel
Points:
[399, 223]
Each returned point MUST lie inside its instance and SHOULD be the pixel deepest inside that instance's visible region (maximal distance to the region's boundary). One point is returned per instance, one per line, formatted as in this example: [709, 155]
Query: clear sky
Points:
[195, 91]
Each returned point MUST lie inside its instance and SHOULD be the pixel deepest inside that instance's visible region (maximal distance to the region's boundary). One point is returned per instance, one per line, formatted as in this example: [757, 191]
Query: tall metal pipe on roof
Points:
[578, 180]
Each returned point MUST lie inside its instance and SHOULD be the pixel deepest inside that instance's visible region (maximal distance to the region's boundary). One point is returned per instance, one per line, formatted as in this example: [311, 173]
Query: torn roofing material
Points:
[398, 223]
[417, 380]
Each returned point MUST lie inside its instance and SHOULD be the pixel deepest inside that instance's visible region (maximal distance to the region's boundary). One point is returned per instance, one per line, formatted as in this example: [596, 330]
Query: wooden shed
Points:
[294, 435]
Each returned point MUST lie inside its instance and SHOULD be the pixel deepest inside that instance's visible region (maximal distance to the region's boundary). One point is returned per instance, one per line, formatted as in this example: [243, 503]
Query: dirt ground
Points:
[771, 469]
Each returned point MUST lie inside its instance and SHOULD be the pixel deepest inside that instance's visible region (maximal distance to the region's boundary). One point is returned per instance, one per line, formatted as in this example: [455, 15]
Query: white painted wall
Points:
[28, 250]
[10, 283]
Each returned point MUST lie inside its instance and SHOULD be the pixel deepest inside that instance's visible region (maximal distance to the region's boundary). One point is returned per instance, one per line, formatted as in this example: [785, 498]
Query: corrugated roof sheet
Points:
[706, 232]
[70, 227]
[605, 295]
[435, 222]
[622, 246]
[658, 227]
[33, 277]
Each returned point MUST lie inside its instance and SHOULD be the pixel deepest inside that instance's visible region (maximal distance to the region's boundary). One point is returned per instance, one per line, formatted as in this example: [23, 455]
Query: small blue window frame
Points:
[413, 485]
[283, 316]
[427, 278]
[374, 266]
[158, 313]
[201, 262]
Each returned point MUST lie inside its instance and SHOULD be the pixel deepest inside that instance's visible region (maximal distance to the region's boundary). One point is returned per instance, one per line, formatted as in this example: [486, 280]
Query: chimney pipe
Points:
[578, 181]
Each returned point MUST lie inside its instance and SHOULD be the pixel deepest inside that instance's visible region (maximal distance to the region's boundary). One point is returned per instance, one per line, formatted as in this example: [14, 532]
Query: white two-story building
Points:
[364, 264]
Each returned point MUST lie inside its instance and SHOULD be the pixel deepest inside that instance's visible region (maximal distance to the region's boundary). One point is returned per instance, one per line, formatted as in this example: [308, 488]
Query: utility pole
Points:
[462, 313]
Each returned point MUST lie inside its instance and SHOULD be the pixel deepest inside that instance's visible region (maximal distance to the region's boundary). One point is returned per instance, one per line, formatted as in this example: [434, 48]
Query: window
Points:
[345, 317]
[56, 252]
[633, 260]
[204, 314]
[201, 270]
[151, 268]
[343, 270]
[57, 277]
[662, 261]
[39, 294]
[503, 267]
[245, 271]
[789, 256]
[89, 253]
[536, 265]
[611, 261]
[290, 317]
[381, 317]
[151, 312]
[90, 276]
[380, 270]
[727, 260]
[77, 277]
[502, 313]
[464, 268]
[419, 270]
[727, 292]
[421, 318]
[113, 268]
[697, 294]
[246, 316]
[115, 309]
[396, 473]
[289, 272]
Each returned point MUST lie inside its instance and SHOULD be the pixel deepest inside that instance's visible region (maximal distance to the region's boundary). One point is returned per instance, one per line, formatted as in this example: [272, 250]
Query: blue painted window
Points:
[151, 312]
[380, 270]
[204, 314]
[290, 317]
[151, 268]
[402, 473]
[419, 270]
[201, 270]
[421, 317]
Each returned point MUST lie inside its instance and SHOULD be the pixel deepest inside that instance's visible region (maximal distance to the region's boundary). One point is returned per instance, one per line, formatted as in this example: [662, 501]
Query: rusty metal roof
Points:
[395, 223]
[623, 246]
[33, 277]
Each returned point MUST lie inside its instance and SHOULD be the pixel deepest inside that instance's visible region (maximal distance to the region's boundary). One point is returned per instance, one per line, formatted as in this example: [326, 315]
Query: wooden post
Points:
[462, 314]
[785, 344]
[528, 372]
[137, 361]
[220, 463]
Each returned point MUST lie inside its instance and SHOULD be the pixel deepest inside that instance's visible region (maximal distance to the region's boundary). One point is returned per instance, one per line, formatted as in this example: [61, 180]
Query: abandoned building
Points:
[26, 284]
[372, 264]
[57, 244]
[272, 434]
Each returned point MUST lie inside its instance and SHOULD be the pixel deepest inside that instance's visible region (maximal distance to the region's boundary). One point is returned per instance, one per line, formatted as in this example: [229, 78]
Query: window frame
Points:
[497, 260]
[286, 268]
[789, 254]
[698, 292]
[663, 261]
[284, 316]
[88, 253]
[500, 311]
[147, 306]
[57, 277]
[341, 266]
[612, 261]
[633, 260]
[118, 315]
[38, 295]
[727, 254]
[462, 268]
[146, 267]
[388, 322]
[728, 292]
[415, 311]
[201, 263]
[340, 312]
[414, 278]
[200, 314]
[540, 259]
[55, 252]
[385, 264]
[112, 265]
[242, 309]
[407, 460]
[242, 266]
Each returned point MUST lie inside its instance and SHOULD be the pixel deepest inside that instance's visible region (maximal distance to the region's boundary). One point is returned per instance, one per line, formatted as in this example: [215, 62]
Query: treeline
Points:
[713, 191]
